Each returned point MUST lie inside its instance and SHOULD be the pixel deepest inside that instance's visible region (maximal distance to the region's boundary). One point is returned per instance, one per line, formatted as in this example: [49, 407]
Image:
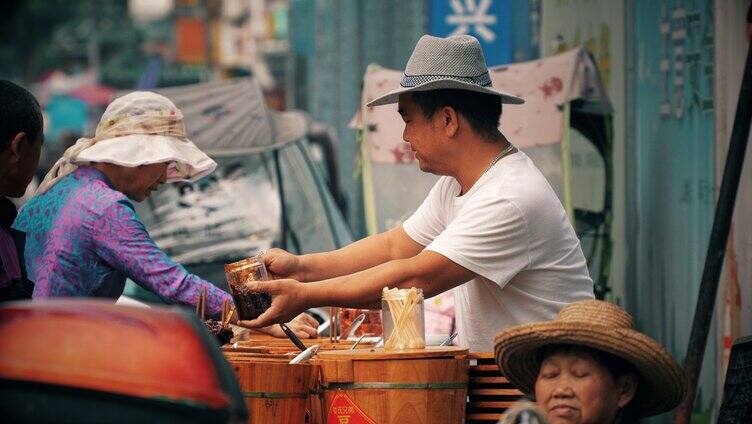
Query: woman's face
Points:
[138, 182]
[574, 387]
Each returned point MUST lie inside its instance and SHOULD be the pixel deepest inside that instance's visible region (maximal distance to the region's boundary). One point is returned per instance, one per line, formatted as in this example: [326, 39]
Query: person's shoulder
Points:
[25, 215]
[445, 184]
[98, 195]
[92, 195]
[521, 182]
[445, 188]
[517, 165]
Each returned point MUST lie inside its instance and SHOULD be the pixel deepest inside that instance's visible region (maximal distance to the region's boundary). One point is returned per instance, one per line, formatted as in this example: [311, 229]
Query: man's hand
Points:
[304, 326]
[288, 300]
[282, 264]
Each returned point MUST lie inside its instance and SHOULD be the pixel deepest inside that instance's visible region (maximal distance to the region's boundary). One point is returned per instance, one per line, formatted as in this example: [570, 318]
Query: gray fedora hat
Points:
[454, 62]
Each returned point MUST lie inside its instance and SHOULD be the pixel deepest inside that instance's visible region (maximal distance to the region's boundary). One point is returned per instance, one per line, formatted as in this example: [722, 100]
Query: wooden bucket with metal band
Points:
[489, 393]
[415, 386]
[274, 390]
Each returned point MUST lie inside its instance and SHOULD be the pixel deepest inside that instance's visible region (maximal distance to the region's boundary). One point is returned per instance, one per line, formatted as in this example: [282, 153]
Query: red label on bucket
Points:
[344, 411]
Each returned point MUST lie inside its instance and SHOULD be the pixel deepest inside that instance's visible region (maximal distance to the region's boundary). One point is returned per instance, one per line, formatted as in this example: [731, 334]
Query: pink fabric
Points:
[439, 312]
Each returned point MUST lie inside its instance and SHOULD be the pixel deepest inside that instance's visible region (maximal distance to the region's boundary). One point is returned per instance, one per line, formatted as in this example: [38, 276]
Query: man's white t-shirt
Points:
[512, 231]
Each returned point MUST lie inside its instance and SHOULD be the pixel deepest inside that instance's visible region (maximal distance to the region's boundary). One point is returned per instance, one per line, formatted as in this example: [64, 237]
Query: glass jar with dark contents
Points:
[249, 304]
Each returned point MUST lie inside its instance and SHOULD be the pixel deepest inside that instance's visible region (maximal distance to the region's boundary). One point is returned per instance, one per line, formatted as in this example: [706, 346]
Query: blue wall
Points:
[490, 23]
[347, 36]
[673, 166]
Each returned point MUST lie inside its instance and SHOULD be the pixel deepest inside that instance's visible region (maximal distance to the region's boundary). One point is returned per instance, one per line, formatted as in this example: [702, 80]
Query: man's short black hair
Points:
[19, 112]
[481, 110]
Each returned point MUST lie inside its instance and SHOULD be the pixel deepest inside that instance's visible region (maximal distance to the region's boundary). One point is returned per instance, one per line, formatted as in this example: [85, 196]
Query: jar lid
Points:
[243, 264]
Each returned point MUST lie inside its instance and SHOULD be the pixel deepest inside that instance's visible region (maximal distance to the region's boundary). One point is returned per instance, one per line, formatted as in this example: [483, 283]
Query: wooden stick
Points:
[203, 305]
[336, 324]
[224, 312]
[331, 325]
[229, 316]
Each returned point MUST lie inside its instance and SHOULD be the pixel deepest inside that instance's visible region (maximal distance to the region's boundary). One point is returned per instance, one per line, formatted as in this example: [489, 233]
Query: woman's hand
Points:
[304, 326]
[282, 264]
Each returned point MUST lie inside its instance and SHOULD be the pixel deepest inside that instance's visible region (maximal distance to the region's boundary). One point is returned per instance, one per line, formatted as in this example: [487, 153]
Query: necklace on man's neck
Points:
[499, 156]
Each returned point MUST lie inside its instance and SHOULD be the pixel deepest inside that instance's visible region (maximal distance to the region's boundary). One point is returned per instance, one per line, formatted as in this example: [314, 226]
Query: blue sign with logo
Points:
[490, 21]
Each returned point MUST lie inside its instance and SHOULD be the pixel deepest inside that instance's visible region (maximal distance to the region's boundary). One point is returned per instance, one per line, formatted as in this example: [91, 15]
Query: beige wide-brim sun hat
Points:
[189, 163]
[599, 325]
[143, 128]
[455, 62]
[140, 128]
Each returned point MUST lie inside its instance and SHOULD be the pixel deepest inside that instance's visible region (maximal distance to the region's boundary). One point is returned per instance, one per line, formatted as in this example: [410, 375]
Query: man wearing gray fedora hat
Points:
[491, 228]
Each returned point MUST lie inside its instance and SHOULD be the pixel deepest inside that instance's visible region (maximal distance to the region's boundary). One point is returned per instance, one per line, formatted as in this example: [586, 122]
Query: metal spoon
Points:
[323, 327]
[353, 327]
[449, 339]
[305, 355]
[357, 341]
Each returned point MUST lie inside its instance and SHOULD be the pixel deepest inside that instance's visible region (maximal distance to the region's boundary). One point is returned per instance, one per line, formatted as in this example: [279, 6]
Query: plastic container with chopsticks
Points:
[403, 319]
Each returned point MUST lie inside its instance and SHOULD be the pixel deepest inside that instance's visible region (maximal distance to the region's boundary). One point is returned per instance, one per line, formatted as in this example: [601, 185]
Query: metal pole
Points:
[718, 239]
[281, 191]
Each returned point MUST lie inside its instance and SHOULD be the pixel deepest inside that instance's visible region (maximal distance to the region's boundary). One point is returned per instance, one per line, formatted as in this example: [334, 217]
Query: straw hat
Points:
[454, 62]
[139, 128]
[603, 326]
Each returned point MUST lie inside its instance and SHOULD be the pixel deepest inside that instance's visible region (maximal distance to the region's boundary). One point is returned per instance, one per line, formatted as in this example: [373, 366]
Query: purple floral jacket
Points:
[83, 238]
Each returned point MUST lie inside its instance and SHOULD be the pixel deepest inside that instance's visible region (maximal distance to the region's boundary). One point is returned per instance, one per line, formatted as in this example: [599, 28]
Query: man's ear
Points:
[449, 120]
[15, 146]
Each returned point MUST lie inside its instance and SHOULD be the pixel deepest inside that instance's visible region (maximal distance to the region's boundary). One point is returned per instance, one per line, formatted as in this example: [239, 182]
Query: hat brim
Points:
[661, 386]
[444, 84]
[143, 149]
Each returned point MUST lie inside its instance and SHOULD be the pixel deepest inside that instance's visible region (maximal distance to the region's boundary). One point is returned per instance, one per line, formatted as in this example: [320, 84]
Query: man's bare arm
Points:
[429, 271]
[358, 256]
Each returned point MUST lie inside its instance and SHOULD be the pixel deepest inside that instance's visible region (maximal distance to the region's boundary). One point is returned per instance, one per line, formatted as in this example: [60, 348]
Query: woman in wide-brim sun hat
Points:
[585, 338]
[83, 235]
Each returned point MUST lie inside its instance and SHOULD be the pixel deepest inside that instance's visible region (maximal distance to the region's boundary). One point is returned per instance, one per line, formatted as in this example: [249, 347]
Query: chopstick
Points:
[226, 322]
[203, 305]
[293, 338]
[224, 312]
[200, 305]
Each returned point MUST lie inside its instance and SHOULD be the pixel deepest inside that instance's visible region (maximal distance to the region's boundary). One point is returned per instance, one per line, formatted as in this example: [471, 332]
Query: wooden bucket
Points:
[274, 390]
[416, 386]
[265, 346]
[490, 394]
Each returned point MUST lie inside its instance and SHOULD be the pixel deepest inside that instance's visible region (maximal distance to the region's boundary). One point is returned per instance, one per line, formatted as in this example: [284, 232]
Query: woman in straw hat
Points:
[83, 235]
[589, 365]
